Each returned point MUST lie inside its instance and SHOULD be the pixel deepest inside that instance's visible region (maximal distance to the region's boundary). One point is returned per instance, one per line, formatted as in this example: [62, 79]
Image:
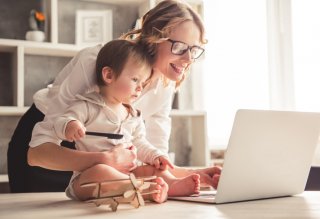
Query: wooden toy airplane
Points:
[132, 195]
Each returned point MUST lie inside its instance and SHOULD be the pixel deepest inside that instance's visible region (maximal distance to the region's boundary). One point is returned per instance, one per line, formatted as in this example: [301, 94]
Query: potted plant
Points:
[36, 24]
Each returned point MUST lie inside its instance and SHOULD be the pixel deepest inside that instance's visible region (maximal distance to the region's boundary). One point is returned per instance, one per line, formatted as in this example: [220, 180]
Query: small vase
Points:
[35, 35]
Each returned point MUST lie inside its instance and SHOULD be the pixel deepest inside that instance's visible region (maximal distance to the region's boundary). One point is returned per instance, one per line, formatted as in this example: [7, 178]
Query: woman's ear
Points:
[107, 75]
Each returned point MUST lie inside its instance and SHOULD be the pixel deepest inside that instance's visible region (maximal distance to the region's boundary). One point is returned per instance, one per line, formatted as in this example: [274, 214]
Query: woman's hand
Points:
[122, 157]
[210, 176]
[54, 157]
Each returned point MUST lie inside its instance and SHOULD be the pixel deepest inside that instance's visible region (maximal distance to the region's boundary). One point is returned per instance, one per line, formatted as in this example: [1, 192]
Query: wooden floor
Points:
[57, 205]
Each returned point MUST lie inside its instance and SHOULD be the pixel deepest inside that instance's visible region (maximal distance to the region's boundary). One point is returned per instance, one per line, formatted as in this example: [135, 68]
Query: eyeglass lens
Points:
[179, 48]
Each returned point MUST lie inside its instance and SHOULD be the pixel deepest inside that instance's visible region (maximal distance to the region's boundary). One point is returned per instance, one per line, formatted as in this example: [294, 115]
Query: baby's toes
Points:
[196, 177]
[160, 181]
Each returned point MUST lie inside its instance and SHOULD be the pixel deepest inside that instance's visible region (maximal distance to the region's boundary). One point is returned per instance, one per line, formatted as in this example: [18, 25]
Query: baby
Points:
[123, 70]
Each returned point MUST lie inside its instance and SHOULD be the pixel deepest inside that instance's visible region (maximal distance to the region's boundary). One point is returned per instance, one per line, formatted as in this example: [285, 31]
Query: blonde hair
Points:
[158, 23]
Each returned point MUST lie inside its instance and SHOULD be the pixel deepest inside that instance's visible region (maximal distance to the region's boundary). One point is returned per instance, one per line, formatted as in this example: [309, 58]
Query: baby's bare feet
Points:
[185, 186]
[162, 188]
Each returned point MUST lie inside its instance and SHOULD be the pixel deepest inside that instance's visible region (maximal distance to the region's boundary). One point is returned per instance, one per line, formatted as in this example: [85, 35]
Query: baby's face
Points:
[128, 86]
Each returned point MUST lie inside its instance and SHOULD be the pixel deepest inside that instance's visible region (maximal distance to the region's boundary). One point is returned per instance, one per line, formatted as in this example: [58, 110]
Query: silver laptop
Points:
[269, 155]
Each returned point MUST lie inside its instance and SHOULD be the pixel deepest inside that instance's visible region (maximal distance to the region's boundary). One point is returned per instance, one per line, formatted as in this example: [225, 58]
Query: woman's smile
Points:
[178, 69]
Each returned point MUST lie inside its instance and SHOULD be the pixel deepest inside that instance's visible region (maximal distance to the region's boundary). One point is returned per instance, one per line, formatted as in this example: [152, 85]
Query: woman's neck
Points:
[156, 74]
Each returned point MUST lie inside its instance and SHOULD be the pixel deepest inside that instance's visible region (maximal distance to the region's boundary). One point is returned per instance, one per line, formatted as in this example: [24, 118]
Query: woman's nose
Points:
[187, 56]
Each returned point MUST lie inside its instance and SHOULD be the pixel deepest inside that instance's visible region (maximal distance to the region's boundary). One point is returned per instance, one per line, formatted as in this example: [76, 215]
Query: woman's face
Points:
[174, 66]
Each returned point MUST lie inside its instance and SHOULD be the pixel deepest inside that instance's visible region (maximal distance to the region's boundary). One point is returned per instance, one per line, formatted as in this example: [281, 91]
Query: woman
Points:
[173, 33]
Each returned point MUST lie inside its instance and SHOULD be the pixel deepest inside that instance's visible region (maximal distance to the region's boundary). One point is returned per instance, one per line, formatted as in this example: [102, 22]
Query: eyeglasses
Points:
[179, 48]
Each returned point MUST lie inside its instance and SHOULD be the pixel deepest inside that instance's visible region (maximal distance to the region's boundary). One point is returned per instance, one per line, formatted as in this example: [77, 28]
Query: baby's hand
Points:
[162, 163]
[74, 130]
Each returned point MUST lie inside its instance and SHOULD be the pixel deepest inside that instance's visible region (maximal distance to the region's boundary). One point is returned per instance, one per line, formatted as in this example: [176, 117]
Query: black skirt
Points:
[25, 178]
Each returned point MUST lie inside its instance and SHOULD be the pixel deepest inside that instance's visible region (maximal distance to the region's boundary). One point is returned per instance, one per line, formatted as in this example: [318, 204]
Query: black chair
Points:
[313, 183]
[25, 178]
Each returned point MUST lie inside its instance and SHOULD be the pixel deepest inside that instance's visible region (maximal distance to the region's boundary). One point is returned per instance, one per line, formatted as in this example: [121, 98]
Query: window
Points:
[306, 54]
[236, 63]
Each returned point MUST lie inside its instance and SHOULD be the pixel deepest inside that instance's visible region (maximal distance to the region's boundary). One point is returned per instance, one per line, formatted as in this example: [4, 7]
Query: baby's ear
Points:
[107, 75]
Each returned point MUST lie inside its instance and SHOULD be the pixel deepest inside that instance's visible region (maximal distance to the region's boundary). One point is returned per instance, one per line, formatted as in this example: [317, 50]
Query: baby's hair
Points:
[115, 55]
[158, 23]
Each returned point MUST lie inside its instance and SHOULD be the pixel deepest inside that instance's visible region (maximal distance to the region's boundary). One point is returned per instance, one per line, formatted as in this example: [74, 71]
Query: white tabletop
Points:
[57, 205]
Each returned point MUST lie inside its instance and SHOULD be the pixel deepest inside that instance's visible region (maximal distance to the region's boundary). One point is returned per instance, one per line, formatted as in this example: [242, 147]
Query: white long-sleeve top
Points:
[78, 77]
[92, 111]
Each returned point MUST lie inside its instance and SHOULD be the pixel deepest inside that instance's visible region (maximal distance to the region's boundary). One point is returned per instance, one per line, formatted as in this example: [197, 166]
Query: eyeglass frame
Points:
[188, 48]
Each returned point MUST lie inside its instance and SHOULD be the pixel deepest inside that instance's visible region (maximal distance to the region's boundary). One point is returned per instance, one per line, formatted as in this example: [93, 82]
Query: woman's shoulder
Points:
[90, 51]
[91, 98]
[165, 88]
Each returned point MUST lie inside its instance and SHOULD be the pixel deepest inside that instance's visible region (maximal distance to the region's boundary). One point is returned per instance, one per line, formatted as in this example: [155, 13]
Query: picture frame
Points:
[93, 27]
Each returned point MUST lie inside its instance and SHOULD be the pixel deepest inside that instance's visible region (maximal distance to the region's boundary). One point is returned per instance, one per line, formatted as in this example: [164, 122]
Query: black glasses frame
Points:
[185, 50]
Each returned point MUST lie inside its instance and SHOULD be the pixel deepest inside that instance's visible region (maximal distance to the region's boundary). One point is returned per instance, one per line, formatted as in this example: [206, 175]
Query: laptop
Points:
[269, 155]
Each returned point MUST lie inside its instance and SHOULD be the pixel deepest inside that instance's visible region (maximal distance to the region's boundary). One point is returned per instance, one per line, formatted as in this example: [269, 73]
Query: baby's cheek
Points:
[123, 88]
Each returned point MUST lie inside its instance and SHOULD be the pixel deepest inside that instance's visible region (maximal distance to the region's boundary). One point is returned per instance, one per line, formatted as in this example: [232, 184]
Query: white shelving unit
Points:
[20, 49]
[197, 139]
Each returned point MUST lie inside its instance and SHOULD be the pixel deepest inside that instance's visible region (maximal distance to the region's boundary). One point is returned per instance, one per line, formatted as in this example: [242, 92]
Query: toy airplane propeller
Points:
[132, 195]
[136, 191]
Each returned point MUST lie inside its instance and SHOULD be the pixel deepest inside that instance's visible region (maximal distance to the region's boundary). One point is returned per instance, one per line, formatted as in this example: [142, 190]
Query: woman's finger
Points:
[215, 180]
[205, 178]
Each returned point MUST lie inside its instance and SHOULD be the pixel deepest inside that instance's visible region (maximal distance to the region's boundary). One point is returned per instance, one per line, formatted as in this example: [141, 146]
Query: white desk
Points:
[56, 205]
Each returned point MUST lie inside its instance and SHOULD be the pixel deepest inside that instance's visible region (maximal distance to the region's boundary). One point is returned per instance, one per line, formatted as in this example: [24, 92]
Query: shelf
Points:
[12, 110]
[122, 2]
[192, 133]
[192, 113]
[40, 48]
[4, 178]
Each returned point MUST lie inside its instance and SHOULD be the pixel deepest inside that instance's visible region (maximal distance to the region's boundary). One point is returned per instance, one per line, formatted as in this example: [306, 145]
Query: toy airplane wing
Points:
[91, 184]
[132, 194]
[111, 201]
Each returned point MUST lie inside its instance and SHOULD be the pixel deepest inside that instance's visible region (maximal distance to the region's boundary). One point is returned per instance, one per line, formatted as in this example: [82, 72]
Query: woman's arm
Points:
[52, 156]
[158, 125]
[158, 128]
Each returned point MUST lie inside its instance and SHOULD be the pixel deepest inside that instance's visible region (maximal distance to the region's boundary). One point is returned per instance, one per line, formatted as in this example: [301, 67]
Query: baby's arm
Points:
[162, 163]
[70, 125]
[146, 152]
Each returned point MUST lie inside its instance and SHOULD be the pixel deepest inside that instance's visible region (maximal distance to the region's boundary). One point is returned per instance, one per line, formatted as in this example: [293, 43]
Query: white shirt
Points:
[78, 77]
[92, 111]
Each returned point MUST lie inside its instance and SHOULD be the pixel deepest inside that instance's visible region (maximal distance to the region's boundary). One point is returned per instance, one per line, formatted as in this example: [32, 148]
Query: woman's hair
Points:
[158, 23]
[115, 55]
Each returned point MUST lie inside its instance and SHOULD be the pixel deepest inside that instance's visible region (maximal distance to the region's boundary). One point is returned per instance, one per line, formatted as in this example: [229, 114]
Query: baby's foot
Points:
[185, 186]
[162, 188]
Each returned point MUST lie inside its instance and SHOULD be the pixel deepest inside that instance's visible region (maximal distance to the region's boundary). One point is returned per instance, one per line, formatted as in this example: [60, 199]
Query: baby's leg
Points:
[100, 173]
[185, 186]
[162, 187]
